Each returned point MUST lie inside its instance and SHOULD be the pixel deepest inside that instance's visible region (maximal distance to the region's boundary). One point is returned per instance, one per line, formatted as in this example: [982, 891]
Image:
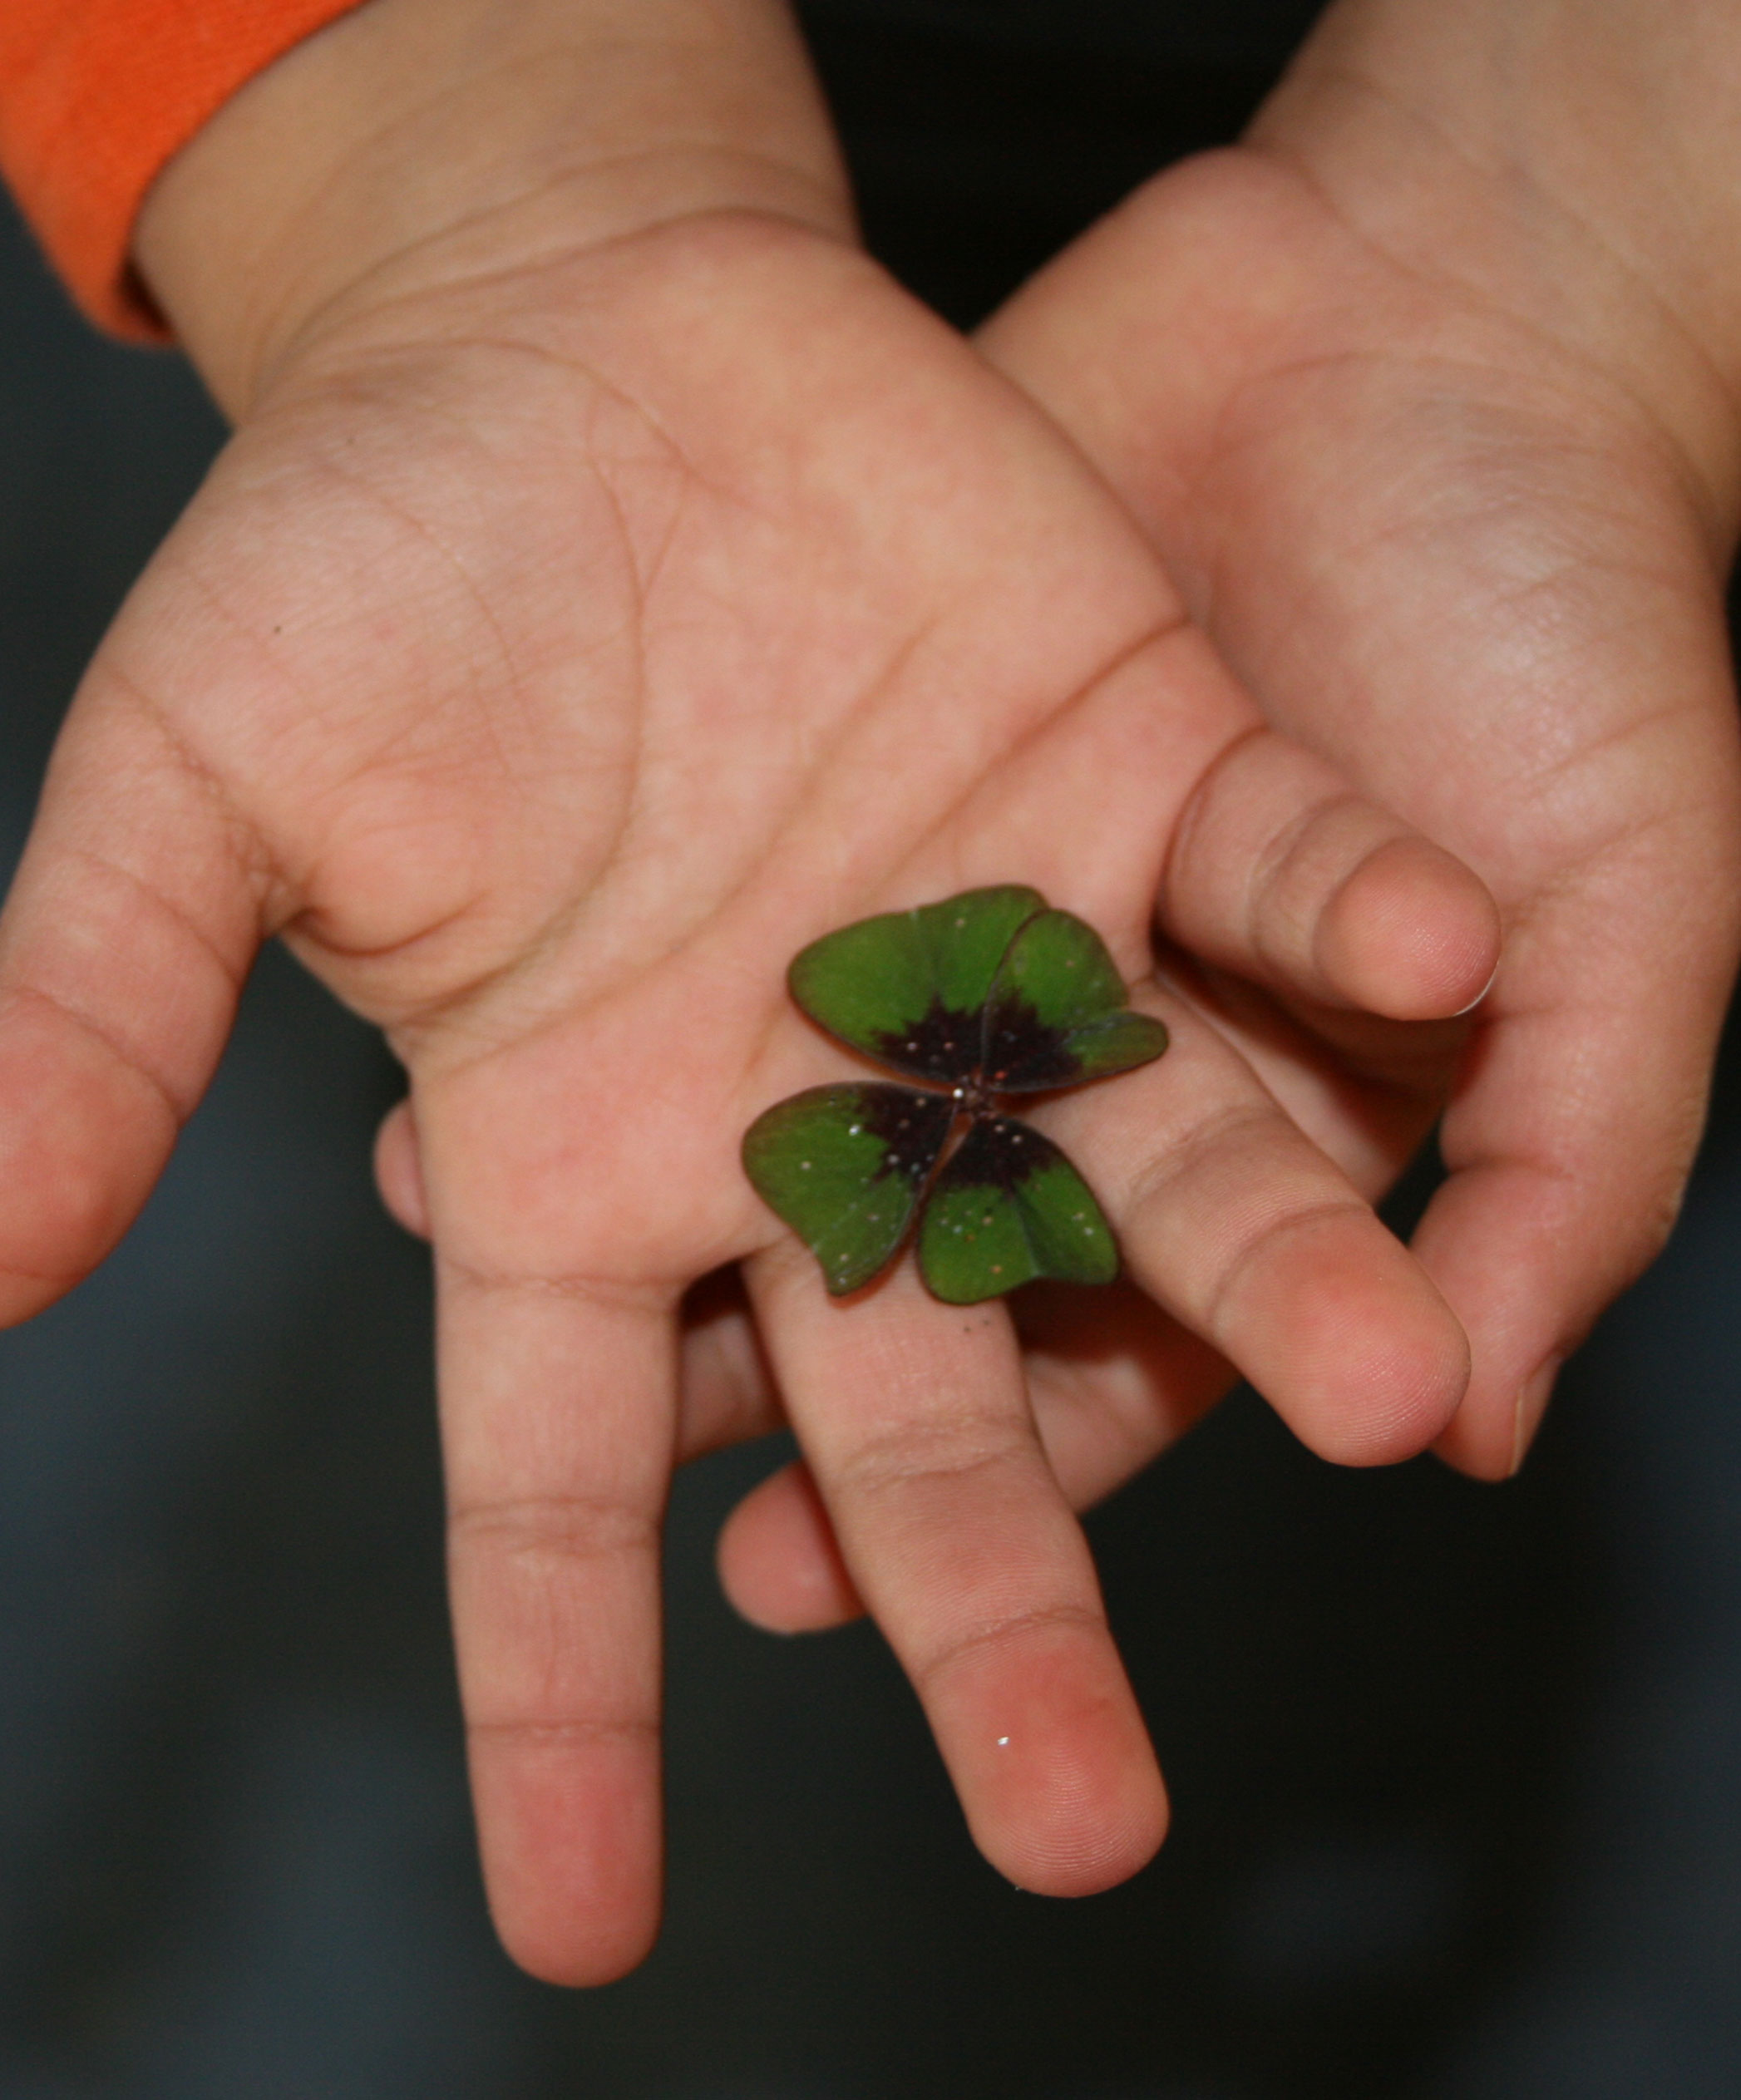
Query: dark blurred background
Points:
[1455, 1769]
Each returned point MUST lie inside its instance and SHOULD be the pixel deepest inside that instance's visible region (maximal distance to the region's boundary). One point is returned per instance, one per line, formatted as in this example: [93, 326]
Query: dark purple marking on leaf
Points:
[1022, 1047]
[1040, 1218]
[999, 1152]
[942, 1044]
[909, 1125]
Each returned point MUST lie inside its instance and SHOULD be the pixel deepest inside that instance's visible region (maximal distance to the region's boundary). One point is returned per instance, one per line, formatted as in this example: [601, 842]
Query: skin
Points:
[1427, 396]
[615, 583]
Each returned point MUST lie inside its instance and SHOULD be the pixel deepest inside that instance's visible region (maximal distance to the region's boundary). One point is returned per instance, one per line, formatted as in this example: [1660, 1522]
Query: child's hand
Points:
[1428, 399]
[1447, 463]
[579, 623]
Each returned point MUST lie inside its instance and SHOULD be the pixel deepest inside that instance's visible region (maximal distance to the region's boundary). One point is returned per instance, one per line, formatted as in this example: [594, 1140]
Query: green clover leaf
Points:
[986, 994]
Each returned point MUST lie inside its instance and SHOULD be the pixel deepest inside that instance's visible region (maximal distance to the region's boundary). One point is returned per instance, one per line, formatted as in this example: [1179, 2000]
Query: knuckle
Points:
[1158, 1178]
[551, 1532]
[1307, 862]
[976, 1639]
[914, 1455]
[562, 1731]
[1268, 1237]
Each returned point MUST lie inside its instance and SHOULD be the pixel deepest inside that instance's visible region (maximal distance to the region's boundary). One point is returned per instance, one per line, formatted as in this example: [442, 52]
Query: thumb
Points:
[131, 923]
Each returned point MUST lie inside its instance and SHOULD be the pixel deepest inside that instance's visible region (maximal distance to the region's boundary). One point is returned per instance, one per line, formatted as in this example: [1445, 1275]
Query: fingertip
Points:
[1412, 934]
[1086, 1852]
[399, 1171]
[1491, 1443]
[83, 1136]
[551, 1951]
[1533, 1399]
[1530, 1255]
[779, 1562]
[1368, 1363]
[570, 1841]
[1053, 1765]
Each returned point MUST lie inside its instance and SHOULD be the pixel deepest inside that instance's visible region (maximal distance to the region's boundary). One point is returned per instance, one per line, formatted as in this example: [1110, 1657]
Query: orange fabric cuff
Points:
[96, 96]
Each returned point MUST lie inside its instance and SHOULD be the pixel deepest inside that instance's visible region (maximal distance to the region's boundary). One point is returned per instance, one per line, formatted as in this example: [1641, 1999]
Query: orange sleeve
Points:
[96, 96]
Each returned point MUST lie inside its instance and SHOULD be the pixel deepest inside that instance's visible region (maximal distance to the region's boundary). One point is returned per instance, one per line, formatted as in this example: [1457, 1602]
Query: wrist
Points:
[1573, 166]
[411, 139]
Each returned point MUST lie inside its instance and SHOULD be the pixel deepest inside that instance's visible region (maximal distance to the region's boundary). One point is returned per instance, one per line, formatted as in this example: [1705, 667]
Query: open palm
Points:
[552, 654]
[1468, 558]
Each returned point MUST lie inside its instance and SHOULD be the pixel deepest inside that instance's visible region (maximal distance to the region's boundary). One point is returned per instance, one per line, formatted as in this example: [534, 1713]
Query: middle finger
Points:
[914, 1419]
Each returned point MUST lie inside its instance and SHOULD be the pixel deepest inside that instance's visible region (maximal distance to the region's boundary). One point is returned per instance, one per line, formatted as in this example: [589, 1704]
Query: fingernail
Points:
[1533, 1399]
[1478, 997]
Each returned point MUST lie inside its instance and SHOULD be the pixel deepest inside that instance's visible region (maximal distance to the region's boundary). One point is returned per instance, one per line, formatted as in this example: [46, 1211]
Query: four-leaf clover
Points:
[987, 993]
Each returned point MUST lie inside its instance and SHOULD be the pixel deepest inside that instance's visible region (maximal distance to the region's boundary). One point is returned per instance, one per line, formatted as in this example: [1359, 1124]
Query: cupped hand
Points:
[560, 645]
[1453, 492]
[1460, 557]
[1454, 544]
